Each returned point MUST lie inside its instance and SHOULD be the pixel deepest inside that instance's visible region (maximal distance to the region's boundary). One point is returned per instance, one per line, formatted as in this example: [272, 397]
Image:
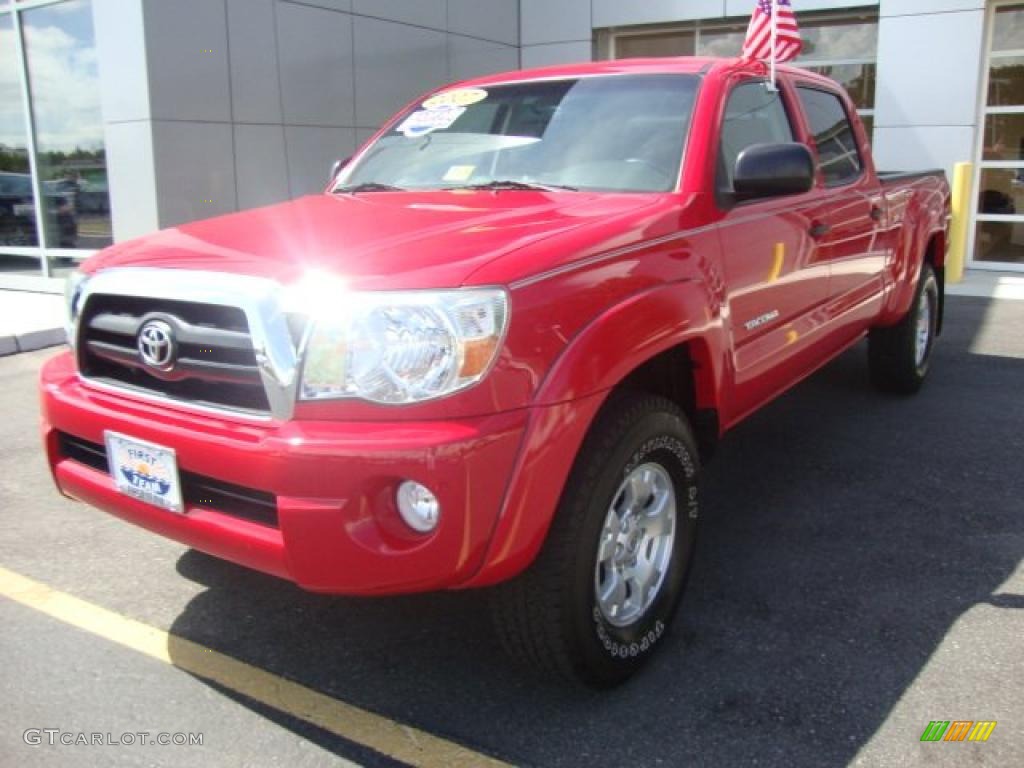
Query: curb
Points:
[31, 341]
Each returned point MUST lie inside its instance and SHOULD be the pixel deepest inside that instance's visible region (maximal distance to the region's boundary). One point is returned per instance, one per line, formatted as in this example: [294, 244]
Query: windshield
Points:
[611, 133]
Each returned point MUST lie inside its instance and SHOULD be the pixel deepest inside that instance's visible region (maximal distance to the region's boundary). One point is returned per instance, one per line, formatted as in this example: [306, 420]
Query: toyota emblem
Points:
[156, 345]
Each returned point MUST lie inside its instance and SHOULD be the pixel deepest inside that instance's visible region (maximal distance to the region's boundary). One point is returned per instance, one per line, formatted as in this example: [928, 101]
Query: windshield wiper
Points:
[500, 184]
[367, 186]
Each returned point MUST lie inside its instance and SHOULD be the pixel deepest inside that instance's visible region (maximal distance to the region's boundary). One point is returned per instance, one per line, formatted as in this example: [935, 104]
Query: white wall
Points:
[216, 105]
[124, 93]
[930, 59]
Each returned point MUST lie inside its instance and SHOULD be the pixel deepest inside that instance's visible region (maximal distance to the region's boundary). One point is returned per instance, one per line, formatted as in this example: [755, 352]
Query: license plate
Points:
[144, 471]
[24, 209]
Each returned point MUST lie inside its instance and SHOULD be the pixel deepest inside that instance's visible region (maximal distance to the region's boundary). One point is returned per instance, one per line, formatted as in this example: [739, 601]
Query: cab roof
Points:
[691, 65]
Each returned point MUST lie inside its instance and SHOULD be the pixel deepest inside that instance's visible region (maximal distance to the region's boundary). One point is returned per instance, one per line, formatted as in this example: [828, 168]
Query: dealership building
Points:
[120, 117]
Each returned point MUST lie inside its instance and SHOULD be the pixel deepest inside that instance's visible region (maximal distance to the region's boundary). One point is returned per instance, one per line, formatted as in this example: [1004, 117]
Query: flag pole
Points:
[775, 33]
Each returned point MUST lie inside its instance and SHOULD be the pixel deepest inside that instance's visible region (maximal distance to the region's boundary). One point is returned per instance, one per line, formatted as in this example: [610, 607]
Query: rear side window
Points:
[753, 115]
[838, 157]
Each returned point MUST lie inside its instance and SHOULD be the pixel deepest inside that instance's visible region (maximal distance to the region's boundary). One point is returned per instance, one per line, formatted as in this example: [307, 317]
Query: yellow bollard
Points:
[960, 203]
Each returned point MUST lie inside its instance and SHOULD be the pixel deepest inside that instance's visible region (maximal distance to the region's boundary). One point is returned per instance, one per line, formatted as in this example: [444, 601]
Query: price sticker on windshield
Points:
[460, 173]
[424, 121]
[461, 97]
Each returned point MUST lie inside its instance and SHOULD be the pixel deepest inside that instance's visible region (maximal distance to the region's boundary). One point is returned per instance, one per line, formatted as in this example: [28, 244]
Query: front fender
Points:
[600, 356]
[632, 332]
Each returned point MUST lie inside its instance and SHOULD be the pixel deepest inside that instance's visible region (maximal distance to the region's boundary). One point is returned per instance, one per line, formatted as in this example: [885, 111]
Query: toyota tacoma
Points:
[497, 349]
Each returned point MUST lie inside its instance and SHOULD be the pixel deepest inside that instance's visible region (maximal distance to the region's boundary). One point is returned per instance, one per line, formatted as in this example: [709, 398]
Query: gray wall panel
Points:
[311, 153]
[394, 62]
[470, 57]
[424, 13]
[315, 49]
[195, 170]
[544, 21]
[261, 168]
[496, 20]
[331, 5]
[186, 50]
[247, 102]
[556, 53]
[252, 38]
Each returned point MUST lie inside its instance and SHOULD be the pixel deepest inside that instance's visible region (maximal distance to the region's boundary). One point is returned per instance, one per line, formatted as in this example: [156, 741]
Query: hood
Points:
[378, 240]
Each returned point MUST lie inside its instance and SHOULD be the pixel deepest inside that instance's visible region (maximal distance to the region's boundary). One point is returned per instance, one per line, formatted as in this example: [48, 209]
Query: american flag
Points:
[758, 44]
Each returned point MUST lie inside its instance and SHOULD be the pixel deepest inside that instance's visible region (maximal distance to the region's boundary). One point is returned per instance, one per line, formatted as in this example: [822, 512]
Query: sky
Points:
[63, 74]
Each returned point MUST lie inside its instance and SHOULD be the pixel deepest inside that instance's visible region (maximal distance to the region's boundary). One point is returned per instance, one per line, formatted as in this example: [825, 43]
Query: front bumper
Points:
[334, 484]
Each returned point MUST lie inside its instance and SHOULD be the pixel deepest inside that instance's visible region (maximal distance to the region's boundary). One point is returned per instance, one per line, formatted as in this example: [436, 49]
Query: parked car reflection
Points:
[18, 211]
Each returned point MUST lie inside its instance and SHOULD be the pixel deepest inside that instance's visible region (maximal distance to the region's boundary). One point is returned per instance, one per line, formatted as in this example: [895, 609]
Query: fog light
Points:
[418, 506]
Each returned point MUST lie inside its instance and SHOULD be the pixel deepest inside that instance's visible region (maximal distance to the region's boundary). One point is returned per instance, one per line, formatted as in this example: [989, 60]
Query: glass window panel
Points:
[857, 79]
[1006, 82]
[1001, 191]
[721, 41]
[753, 115]
[838, 39]
[662, 44]
[60, 50]
[621, 133]
[17, 204]
[838, 156]
[1008, 31]
[999, 241]
[1004, 137]
[869, 127]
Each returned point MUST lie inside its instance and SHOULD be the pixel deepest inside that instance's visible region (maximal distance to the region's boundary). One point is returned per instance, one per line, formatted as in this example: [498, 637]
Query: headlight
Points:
[74, 288]
[402, 347]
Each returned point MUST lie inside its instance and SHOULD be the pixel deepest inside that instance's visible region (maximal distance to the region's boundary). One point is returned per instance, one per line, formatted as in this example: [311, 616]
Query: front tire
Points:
[899, 356]
[601, 595]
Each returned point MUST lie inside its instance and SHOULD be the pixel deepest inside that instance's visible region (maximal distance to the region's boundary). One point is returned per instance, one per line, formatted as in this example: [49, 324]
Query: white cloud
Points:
[64, 80]
[65, 86]
[12, 120]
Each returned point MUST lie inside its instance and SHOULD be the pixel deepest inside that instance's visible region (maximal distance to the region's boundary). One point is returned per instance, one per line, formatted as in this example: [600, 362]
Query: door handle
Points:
[819, 229]
[876, 213]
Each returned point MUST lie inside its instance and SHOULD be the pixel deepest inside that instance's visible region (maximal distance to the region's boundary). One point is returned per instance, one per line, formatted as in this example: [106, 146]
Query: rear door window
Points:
[838, 156]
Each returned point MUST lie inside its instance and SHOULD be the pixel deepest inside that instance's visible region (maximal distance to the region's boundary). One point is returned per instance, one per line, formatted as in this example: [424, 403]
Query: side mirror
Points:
[773, 170]
[338, 165]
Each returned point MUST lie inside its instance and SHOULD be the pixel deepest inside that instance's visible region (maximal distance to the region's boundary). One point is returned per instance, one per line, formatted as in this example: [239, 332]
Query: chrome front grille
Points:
[215, 362]
[235, 339]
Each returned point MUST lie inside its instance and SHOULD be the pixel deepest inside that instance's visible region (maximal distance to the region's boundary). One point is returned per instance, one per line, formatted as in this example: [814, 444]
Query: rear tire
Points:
[602, 593]
[899, 356]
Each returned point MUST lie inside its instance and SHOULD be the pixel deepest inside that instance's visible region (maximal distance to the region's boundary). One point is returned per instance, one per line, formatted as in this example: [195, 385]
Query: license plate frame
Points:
[145, 471]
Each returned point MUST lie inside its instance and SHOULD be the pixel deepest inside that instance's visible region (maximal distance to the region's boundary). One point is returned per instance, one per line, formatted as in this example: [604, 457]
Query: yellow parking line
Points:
[397, 741]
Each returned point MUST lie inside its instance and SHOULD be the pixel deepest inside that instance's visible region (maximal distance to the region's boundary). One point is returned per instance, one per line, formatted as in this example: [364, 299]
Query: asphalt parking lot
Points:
[860, 572]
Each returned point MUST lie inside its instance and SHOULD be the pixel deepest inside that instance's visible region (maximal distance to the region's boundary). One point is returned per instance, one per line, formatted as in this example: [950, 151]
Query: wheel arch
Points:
[935, 255]
[662, 341]
[682, 374]
[922, 243]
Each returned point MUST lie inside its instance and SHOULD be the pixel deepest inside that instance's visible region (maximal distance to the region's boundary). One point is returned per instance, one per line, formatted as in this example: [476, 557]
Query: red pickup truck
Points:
[498, 348]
